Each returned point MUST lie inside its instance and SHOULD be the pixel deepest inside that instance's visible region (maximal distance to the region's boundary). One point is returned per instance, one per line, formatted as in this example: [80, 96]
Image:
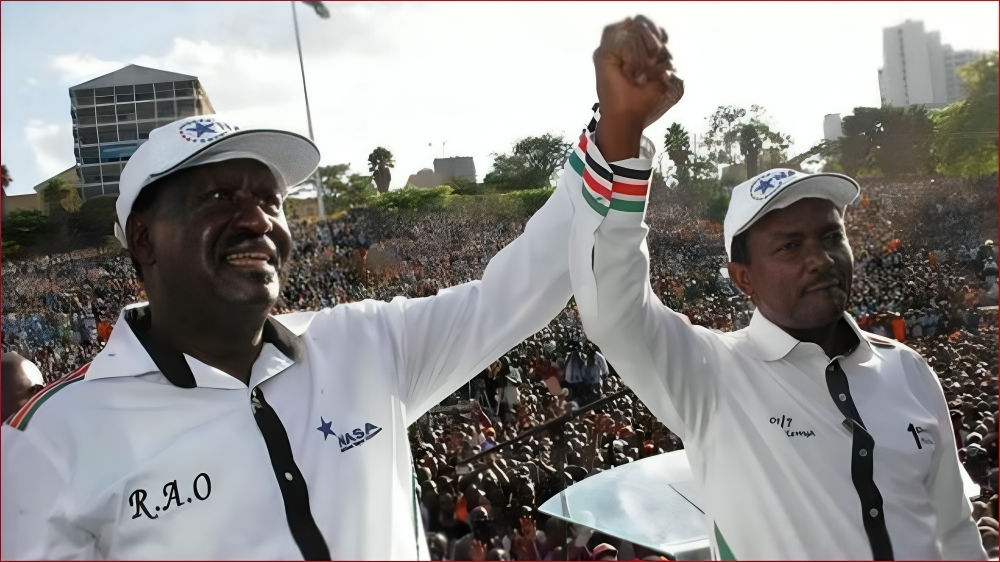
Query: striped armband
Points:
[23, 416]
[608, 186]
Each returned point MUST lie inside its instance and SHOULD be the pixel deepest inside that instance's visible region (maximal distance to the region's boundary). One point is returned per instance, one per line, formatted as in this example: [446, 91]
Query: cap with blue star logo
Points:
[779, 188]
[205, 139]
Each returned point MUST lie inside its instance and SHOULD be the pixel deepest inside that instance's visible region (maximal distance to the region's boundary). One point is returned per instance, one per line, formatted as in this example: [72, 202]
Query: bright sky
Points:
[467, 78]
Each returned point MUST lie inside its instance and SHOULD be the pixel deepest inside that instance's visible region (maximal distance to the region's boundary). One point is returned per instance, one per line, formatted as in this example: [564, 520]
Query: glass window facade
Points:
[143, 92]
[110, 123]
[105, 114]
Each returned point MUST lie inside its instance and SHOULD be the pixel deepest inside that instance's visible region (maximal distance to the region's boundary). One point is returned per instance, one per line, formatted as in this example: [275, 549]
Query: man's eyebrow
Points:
[786, 234]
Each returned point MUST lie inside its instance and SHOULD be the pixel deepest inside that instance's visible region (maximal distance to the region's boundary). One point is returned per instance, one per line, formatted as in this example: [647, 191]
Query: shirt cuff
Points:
[619, 186]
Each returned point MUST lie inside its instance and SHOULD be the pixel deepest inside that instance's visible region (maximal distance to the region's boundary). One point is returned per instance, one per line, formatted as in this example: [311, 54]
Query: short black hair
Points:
[739, 249]
[145, 201]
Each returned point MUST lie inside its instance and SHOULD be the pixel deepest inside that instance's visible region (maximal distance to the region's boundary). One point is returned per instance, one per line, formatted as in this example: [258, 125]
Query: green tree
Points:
[738, 136]
[465, 186]
[62, 201]
[379, 162]
[23, 226]
[965, 133]
[890, 140]
[412, 199]
[60, 196]
[96, 217]
[677, 144]
[533, 163]
[6, 179]
[344, 190]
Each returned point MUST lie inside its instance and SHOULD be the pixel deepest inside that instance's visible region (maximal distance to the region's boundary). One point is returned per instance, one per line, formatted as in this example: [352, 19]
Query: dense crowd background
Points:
[924, 274]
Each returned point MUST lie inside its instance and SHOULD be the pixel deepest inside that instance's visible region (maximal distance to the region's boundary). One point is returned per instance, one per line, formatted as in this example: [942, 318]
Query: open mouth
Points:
[251, 260]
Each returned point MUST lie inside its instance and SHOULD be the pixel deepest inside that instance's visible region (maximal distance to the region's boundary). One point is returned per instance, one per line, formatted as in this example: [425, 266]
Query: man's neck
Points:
[836, 338]
[227, 337]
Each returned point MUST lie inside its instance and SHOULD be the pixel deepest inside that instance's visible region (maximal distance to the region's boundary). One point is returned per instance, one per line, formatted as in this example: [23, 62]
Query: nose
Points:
[818, 259]
[251, 217]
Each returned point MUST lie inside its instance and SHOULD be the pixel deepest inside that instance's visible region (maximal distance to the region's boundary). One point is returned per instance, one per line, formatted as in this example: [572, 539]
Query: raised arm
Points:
[444, 340]
[661, 357]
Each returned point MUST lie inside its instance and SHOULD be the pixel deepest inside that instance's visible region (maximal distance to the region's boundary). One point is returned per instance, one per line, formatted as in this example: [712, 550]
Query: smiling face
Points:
[215, 231]
[800, 268]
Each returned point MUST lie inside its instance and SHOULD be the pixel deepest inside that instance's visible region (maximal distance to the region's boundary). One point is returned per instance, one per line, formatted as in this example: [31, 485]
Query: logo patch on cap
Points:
[768, 183]
[204, 130]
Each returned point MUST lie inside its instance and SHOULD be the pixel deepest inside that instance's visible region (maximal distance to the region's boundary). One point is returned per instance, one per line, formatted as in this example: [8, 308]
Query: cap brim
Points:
[291, 156]
[838, 188]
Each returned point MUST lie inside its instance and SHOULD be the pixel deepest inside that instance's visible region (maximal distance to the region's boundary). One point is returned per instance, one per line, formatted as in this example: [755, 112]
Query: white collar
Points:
[125, 355]
[771, 343]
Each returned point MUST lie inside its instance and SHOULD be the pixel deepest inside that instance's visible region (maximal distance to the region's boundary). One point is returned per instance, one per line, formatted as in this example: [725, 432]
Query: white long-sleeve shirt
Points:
[762, 429]
[169, 459]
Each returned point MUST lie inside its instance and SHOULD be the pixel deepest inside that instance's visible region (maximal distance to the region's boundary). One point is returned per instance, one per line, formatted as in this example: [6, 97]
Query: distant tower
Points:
[456, 166]
[113, 115]
[917, 69]
[832, 129]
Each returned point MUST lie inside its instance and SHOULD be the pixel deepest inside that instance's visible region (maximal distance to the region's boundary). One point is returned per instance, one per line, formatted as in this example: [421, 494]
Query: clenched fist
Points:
[635, 84]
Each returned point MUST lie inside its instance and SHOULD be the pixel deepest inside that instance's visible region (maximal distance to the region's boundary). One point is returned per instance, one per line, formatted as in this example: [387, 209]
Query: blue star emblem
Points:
[201, 128]
[325, 428]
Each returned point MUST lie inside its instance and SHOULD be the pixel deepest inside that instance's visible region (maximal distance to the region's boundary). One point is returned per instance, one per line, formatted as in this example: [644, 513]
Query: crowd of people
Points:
[924, 274]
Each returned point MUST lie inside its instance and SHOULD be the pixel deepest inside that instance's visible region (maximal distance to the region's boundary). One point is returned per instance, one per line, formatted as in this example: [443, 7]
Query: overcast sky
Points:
[467, 78]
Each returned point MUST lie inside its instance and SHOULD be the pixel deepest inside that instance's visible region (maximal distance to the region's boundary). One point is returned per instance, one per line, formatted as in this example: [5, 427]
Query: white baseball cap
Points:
[205, 139]
[779, 188]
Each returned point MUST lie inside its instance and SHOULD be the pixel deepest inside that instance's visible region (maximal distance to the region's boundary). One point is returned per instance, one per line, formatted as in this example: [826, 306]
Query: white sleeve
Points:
[956, 533]
[669, 364]
[447, 339]
[34, 486]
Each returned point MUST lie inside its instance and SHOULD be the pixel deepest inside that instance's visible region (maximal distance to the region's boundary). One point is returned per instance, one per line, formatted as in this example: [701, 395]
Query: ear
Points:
[740, 275]
[139, 243]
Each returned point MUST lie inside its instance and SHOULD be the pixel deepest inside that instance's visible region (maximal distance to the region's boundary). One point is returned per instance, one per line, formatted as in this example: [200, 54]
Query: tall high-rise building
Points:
[917, 69]
[113, 115]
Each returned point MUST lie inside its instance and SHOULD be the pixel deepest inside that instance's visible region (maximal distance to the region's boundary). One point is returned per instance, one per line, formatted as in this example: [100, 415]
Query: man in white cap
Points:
[807, 437]
[207, 428]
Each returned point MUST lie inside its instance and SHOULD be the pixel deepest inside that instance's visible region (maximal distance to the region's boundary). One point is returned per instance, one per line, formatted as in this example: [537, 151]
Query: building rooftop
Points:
[69, 175]
[133, 74]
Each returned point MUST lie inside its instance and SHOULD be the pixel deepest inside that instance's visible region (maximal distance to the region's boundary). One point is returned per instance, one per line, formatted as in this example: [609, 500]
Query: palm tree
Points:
[379, 162]
[6, 177]
[677, 144]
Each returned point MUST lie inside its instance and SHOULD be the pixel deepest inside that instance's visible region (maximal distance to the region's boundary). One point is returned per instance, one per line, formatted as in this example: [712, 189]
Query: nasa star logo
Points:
[204, 130]
[768, 183]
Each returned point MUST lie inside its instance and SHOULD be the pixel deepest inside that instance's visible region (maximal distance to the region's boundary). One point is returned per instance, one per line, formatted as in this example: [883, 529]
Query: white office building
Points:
[113, 114]
[917, 69]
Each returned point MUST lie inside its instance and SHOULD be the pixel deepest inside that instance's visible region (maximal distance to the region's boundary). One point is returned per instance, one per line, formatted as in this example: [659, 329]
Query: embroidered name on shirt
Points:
[807, 433]
[784, 422]
[201, 489]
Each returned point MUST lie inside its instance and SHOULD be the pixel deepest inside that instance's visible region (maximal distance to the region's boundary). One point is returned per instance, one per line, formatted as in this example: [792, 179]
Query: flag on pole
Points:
[321, 10]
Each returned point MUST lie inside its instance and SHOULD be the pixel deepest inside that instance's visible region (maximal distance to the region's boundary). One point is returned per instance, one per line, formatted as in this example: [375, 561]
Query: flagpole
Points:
[305, 94]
